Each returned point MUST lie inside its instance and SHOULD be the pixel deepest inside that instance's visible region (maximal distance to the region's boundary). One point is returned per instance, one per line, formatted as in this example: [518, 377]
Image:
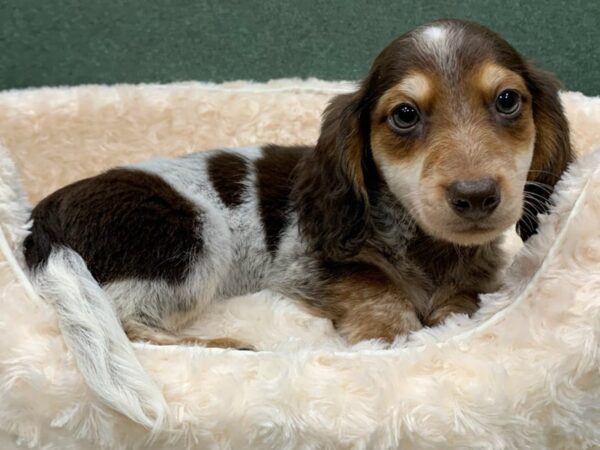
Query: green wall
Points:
[68, 42]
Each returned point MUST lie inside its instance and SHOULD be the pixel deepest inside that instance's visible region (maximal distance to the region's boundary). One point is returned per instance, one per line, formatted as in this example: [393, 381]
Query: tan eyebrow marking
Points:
[416, 87]
[492, 76]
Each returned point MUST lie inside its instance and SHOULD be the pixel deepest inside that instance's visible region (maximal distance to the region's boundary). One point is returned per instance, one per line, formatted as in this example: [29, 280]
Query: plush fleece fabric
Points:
[524, 372]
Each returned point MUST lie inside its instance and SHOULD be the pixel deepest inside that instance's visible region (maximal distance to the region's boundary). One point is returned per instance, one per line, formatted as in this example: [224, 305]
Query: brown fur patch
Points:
[274, 182]
[124, 223]
[331, 184]
[138, 332]
[227, 172]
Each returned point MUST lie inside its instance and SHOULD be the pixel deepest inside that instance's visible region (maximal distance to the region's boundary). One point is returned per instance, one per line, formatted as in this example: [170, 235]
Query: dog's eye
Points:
[404, 117]
[508, 103]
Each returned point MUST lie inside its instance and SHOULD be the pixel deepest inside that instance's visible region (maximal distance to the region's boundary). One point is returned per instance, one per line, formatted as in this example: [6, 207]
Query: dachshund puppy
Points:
[390, 223]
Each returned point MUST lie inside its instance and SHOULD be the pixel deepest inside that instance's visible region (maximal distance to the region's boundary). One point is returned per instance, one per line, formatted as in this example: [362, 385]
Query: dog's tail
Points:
[93, 333]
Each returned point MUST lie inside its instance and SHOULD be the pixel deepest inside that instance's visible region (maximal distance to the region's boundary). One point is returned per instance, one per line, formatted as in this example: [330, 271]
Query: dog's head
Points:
[467, 135]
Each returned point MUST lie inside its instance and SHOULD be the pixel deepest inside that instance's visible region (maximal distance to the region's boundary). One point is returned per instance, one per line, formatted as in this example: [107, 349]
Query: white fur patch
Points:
[403, 179]
[523, 162]
[435, 35]
[93, 332]
[441, 42]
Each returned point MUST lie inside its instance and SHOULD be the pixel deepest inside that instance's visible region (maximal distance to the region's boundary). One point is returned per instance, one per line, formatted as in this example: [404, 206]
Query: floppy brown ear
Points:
[330, 194]
[552, 151]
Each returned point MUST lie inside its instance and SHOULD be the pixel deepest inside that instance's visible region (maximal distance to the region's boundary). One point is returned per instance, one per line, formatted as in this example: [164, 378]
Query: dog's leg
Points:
[364, 304]
[449, 301]
[384, 317]
[137, 331]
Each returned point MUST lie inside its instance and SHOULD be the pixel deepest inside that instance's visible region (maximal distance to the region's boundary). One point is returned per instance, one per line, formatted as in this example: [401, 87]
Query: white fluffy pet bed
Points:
[523, 373]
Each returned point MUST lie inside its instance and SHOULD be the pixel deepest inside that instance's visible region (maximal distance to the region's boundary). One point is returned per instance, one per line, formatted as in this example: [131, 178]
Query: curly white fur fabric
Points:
[523, 373]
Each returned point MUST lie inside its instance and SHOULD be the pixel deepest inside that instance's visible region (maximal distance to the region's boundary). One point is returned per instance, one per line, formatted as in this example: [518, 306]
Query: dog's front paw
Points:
[458, 304]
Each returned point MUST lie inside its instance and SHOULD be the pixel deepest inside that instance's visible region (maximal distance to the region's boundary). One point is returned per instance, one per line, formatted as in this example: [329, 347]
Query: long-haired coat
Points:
[390, 223]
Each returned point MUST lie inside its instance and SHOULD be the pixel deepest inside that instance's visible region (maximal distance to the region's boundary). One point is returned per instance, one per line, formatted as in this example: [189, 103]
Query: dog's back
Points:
[206, 225]
[142, 250]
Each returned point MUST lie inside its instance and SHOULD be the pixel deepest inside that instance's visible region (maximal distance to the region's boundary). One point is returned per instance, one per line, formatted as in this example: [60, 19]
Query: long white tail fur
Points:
[93, 332]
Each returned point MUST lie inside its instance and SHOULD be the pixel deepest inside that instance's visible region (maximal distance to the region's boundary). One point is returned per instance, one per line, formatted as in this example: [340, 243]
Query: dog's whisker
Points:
[528, 214]
[540, 185]
[536, 197]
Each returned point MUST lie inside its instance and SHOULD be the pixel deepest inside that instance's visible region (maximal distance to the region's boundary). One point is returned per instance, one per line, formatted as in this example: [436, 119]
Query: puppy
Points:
[390, 223]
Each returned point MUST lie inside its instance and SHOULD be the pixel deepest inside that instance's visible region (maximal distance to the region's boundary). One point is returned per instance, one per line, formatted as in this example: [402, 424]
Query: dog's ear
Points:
[330, 193]
[552, 151]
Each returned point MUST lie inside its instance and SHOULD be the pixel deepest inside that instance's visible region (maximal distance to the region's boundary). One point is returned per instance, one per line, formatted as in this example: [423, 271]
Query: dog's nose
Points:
[474, 199]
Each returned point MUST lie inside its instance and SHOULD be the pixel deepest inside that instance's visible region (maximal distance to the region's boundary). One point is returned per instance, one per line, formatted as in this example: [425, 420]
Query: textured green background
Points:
[67, 42]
